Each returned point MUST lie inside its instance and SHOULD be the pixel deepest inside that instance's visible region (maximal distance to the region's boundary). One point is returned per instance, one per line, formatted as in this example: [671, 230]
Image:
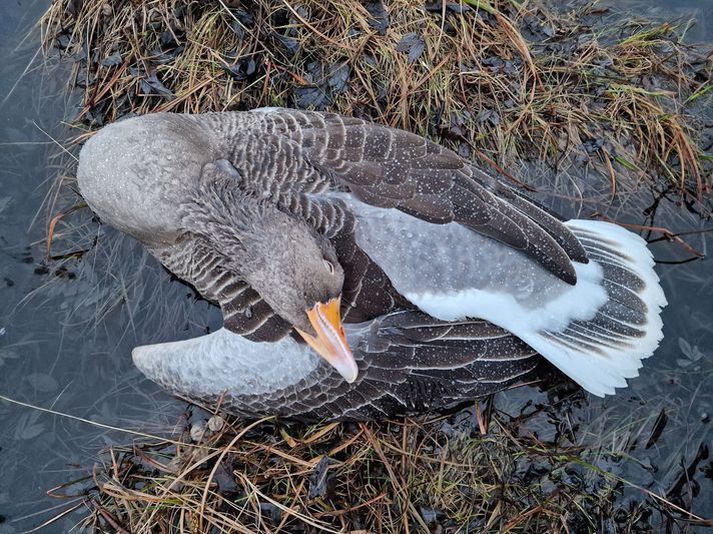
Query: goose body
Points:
[452, 285]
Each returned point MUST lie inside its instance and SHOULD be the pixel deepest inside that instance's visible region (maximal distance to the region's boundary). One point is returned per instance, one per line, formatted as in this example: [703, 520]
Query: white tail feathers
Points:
[602, 352]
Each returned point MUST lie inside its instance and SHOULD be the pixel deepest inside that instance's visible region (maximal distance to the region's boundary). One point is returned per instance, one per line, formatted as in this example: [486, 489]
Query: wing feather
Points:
[244, 311]
[391, 168]
[400, 371]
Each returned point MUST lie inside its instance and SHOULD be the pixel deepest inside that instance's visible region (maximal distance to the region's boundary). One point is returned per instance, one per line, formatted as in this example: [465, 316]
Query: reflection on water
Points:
[51, 354]
[693, 14]
[67, 347]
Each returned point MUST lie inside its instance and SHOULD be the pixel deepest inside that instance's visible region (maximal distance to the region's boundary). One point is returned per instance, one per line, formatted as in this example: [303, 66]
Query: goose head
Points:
[292, 267]
[297, 272]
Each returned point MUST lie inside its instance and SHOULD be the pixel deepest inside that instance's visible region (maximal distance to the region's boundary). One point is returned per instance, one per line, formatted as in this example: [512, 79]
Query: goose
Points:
[363, 271]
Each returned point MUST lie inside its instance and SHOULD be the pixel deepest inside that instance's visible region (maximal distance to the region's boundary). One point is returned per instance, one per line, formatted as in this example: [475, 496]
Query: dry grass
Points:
[503, 83]
[436, 475]
[500, 82]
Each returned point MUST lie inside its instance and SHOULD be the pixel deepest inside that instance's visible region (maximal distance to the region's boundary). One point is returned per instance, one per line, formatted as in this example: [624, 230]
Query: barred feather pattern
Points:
[205, 177]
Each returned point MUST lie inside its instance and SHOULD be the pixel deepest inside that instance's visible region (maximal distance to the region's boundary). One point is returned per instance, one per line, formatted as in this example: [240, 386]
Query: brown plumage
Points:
[248, 206]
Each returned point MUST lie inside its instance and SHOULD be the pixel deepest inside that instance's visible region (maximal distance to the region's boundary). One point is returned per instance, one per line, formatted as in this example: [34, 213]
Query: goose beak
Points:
[330, 342]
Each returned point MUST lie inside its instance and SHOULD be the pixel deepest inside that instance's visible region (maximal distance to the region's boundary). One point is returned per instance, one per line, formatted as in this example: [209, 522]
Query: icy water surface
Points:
[66, 335]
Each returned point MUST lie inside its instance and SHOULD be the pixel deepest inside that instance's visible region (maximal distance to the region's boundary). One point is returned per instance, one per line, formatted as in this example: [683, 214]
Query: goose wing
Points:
[408, 362]
[390, 168]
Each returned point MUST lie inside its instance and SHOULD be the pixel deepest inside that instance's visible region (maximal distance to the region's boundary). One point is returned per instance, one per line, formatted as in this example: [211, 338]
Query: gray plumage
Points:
[246, 206]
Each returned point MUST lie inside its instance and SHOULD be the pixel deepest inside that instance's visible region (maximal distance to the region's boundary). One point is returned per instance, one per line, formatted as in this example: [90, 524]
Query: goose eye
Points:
[329, 266]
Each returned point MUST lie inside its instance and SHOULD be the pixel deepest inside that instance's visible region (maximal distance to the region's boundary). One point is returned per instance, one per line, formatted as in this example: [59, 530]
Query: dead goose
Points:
[446, 280]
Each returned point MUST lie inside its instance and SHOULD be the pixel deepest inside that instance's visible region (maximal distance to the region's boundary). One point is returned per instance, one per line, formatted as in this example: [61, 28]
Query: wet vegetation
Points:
[525, 89]
[497, 83]
[492, 467]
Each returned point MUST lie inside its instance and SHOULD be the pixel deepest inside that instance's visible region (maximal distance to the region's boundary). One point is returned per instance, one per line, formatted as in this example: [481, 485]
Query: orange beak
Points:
[331, 343]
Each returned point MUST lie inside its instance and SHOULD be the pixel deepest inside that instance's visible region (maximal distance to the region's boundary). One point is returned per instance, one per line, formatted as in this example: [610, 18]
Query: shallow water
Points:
[50, 353]
[66, 336]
